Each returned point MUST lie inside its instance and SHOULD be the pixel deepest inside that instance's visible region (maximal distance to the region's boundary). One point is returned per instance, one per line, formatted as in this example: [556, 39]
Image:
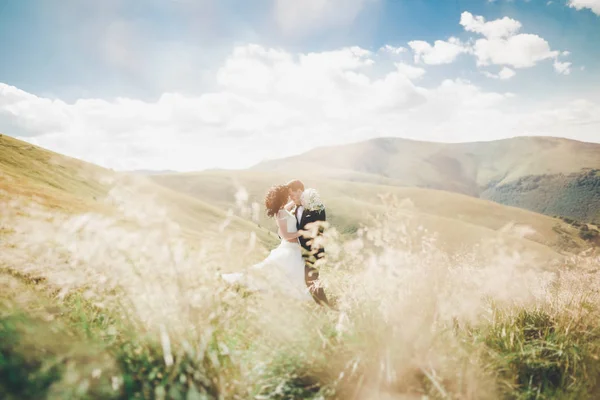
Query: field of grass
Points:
[95, 316]
[460, 221]
[119, 296]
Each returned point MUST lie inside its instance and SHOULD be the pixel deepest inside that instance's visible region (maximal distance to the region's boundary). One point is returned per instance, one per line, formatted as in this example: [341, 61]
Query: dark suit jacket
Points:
[307, 218]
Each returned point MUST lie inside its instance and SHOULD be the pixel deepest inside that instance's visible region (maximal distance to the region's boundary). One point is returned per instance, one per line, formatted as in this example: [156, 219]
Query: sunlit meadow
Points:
[125, 304]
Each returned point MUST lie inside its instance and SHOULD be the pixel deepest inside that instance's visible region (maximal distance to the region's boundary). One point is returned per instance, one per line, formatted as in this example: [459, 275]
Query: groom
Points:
[311, 255]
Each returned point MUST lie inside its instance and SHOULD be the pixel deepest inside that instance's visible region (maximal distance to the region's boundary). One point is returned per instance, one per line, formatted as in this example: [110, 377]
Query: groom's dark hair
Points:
[295, 185]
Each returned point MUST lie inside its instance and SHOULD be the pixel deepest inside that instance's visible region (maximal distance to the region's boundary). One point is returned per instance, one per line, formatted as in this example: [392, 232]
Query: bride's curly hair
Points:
[275, 199]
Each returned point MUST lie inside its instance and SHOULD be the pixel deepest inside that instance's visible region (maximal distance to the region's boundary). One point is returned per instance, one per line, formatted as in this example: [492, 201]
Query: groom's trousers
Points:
[311, 277]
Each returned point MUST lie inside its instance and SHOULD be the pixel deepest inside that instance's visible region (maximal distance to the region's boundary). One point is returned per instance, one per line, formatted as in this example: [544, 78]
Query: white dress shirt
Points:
[299, 212]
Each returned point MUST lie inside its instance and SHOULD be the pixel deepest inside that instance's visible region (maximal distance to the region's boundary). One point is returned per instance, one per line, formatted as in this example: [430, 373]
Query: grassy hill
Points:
[461, 221]
[72, 186]
[58, 181]
[108, 289]
[81, 248]
[490, 170]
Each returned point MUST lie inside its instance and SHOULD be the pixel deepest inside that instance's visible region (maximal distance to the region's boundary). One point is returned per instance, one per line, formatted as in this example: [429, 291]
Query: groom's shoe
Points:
[330, 303]
[333, 305]
[319, 295]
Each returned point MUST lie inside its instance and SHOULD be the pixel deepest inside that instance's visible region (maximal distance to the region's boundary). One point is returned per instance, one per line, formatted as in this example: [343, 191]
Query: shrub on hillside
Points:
[589, 234]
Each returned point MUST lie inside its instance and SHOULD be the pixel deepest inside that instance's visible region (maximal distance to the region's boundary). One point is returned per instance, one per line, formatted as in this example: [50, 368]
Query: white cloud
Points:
[500, 28]
[504, 74]
[563, 68]
[392, 50]
[31, 114]
[502, 44]
[271, 103]
[410, 71]
[302, 17]
[520, 51]
[593, 5]
[442, 52]
[556, 119]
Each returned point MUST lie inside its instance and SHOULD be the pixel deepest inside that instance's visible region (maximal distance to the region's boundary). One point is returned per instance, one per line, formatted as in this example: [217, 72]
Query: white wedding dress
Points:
[282, 270]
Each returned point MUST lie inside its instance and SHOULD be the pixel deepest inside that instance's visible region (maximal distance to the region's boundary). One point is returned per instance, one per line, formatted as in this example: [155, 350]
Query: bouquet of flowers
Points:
[311, 200]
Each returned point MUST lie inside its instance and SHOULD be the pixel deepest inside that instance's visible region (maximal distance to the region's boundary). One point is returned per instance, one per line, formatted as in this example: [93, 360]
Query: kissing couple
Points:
[292, 267]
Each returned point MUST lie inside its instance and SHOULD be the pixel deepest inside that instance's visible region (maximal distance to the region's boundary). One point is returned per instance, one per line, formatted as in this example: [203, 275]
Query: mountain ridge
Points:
[427, 142]
[484, 169]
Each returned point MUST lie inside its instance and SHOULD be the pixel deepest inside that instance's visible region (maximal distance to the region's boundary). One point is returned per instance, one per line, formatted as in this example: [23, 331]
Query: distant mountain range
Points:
[553, 176]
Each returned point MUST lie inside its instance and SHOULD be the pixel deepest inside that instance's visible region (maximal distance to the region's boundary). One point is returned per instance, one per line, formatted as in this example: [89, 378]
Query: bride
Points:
[283, 269]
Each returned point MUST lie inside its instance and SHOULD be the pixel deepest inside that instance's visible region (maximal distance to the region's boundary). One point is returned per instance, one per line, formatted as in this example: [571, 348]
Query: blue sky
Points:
[73, 60]
[51, 45]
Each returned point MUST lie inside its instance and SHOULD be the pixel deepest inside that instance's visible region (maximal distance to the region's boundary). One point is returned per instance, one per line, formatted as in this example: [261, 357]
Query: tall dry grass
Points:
[413, 321]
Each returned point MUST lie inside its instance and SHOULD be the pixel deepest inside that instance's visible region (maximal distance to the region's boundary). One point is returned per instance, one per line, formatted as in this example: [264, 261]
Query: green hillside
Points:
[575, 195]
[30, 173]
[59, 181]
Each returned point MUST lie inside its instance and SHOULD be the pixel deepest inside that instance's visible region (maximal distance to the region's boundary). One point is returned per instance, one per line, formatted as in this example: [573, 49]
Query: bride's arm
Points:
[282, 223]
[289, 205]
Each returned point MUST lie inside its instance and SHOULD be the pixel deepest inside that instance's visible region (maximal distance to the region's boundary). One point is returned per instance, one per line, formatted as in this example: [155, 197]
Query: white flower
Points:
[311, 200]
